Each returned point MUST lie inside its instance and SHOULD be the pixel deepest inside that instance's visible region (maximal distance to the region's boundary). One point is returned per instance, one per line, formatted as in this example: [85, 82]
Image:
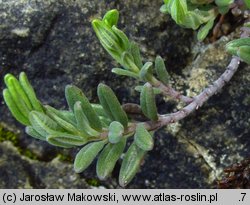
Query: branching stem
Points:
[192, 103]
[167, 90]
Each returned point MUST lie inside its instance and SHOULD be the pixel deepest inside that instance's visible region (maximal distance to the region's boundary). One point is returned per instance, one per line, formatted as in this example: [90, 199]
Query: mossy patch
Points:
[93, 182]
[7, 135]
[64, 157]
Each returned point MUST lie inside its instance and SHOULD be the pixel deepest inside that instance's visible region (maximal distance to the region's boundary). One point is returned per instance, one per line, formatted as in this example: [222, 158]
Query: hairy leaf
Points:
[111, 105]
[147, 101]
[68, 116]
[146, 72]
[244, 53]
[128, 62]
[16, 93]
[156, 90]
[33, 133]
[74, 94]
[131, 164]
[124, 42]
[135, 52]
[143, 138]
[161, 70]
[66, 140]
[111, 17]
[64, 123]
[120, 71]
[14, 109]
[86, 155]
[43, 124]
[82, 121]
[16, 90]
[28, 89]
[108, 158]
[116, 130]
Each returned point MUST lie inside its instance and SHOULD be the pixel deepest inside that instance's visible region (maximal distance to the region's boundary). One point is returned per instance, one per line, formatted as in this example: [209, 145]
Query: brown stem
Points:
[132, 108]
[167, 90]
[216, 29]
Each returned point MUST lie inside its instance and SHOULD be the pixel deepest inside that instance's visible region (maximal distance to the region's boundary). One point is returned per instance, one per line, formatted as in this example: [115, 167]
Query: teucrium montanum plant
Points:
[103, 130]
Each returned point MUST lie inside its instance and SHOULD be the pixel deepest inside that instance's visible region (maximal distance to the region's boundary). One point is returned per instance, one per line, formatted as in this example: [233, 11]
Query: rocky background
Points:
[53, 42]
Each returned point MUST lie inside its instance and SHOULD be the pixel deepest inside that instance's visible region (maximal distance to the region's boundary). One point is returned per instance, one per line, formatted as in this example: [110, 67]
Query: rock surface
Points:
[52, 41]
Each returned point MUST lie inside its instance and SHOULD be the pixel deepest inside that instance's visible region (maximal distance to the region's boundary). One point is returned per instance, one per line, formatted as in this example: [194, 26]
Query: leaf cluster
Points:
[103, 130]
[240, 47]
[196, 14]
[100, 129]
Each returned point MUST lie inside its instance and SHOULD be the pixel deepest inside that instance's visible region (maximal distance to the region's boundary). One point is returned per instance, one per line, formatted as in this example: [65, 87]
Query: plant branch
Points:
[194, 103]
[199, 100]
[167, 90]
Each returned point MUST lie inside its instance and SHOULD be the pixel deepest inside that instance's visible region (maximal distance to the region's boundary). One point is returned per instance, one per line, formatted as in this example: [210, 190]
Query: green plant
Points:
[103, 130]
[198, 14]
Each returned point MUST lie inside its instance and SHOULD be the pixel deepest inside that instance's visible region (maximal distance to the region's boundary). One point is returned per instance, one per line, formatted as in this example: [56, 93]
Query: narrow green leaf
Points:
[147, 101]
[111, 105]
[161, 70]
[106, 36]
[232, 46]
[43, 124]
[17, 114]
[102, 114]
[131, 164]
[143, 138]
[201, 1]
[60, 121]
[17, 90]
[111, 17]
[82, 121]
[157, 91]
[222, 3]
[66, 115]
[128, 62]
[86, 155]
[99, 109]
[244, 53]
[146, 72]
[122, 37]
[120, 71]
[28, 89]
[135, 52]
[247, 2]
[59, 139]
[74, 94]
[204, 30]
[115, 132]
[58, 143]
[178, 10]
[108, 158]
[105, 121]
[33, 133]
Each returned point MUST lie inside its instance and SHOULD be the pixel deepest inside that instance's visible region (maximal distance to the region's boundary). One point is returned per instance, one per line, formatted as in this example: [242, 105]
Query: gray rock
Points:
[17, 171]
[53, 42]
